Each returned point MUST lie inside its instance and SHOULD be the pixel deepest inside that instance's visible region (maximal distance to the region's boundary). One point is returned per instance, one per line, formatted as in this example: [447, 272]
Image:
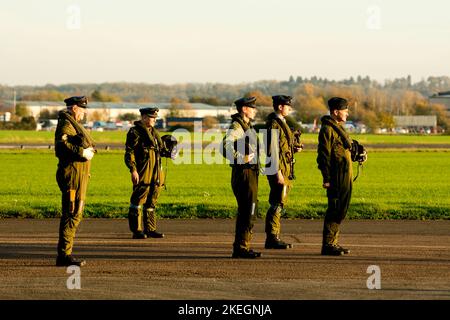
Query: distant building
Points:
[413, 124]
[442, 98]
[112, 110]
[5, 116]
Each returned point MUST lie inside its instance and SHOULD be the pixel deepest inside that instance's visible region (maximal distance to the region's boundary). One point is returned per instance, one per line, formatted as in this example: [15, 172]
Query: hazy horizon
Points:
[206, 82]
[232, 42]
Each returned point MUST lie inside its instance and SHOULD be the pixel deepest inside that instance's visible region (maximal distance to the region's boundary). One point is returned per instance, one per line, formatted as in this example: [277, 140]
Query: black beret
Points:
[151, 112]
[80, 101]
[337, 103]
[281, 100]
[246, 102]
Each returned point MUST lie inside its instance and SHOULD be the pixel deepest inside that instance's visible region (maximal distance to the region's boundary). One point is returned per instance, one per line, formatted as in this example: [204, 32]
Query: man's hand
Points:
[249, 157]
[135, 178]
[326, 185]
[88, 153]
[280, 178]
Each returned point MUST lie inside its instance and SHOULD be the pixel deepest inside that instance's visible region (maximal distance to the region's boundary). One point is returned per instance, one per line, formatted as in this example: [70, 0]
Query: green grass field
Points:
[392, 185]
[118, 137]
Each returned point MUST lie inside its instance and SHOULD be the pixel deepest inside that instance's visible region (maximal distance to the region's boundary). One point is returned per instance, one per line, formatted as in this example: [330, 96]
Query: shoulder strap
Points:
[145, 133]
[80, 130]
[157, 137]
[341, 133]
[289, 137]
[244, 126]
[285, 129]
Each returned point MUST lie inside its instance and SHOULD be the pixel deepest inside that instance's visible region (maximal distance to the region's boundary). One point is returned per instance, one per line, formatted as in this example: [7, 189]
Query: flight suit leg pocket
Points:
[72, 194]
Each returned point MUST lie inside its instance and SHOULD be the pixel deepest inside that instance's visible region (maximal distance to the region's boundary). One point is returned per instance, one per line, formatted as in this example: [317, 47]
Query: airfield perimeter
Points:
[193, 261]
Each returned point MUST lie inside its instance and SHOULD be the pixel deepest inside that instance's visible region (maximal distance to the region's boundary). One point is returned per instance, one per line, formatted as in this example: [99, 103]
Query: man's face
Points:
[284, 109]
[341, 115]
[78, 113]
[249, 112]
[148, 121]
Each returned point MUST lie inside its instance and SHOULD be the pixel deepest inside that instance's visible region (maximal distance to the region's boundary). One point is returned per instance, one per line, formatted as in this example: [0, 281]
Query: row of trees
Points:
[374, 107]
[211, 93]
[372, 103]
[25, 123]
[55, 95]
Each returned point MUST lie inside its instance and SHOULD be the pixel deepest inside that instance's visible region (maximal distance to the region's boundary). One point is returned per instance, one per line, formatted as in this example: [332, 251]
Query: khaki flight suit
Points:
[143, 153]
[280, 150]
[334, 161]
[72, 176]
[241, 140]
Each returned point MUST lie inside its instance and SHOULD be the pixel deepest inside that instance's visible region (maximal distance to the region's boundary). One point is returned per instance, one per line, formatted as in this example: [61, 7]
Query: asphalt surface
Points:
[194, 261]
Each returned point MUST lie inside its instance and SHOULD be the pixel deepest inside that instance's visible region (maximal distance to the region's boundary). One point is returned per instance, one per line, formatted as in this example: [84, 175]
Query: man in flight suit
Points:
[74, 148]
[335, 163]
[143, 149]
[280, 149]
[241, 147]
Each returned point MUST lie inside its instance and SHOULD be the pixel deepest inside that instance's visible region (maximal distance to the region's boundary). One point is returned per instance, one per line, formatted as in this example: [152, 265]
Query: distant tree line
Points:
[371, 102]
[25, 123]
[210, 93]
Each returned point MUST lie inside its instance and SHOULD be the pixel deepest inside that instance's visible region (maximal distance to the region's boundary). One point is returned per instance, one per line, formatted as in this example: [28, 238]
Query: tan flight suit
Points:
[72, 176]
[143, 149]
[280, 149]
[241, 140]
[334, 161]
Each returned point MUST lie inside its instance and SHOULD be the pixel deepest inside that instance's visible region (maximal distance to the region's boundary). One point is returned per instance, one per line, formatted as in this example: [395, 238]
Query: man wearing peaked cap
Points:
[282, 100]
[246, 101]
[335, 163]
[241, 148]
[337, 103]
[150, 112]
[80, 101]
[74, 148]
[280, 150]
[143, 151]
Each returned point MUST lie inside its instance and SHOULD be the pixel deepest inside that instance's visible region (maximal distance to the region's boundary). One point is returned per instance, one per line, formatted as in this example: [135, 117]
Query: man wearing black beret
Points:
[241, 147]
[335, 163]
[280, 149]
[74, 148]
[143, 150]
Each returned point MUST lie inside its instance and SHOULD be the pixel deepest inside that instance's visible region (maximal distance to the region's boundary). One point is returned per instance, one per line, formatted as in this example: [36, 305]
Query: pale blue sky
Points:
[233, 41]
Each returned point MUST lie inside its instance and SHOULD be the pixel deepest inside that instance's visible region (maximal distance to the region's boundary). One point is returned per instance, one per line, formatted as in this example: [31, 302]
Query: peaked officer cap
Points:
[337, 103]
[281, 100]
[246, 102]
[80, 101]
[151, 112]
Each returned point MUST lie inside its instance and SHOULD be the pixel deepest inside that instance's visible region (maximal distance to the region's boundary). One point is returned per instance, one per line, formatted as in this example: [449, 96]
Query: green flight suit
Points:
[143, 154]
[72, 176]
[280, 150]
[241, 140]
[334, 161]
